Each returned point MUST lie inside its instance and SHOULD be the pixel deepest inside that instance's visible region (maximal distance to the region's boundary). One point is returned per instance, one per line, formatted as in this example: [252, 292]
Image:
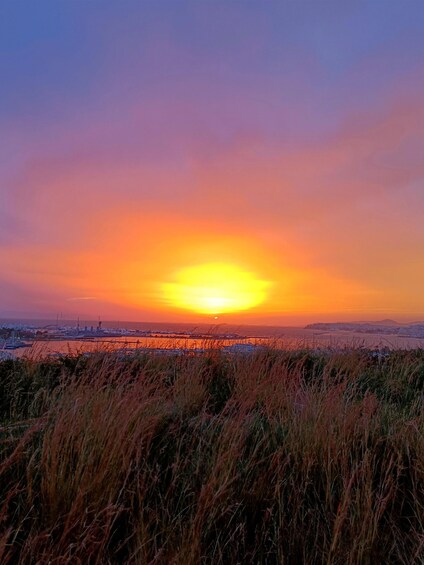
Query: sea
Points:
[191, 337]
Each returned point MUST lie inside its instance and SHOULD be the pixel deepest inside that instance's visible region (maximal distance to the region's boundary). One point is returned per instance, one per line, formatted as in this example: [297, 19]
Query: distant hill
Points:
[387, 322]
[387, 327]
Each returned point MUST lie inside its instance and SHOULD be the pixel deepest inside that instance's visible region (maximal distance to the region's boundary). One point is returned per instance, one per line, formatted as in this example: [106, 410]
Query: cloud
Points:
[111, 207]
[77, 298]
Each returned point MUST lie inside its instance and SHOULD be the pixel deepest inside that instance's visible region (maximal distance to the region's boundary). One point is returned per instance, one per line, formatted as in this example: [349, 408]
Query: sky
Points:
[250, 161]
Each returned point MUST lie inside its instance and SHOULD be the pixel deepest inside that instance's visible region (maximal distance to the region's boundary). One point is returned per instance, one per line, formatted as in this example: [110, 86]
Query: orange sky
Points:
[303, 170]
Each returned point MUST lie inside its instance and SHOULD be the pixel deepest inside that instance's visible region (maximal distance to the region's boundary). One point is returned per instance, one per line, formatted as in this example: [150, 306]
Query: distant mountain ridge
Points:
[389, 322]
[387, 327]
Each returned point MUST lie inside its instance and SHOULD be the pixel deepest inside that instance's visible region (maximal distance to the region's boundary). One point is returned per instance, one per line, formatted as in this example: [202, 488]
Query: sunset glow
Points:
[215, 288]
[159, 165]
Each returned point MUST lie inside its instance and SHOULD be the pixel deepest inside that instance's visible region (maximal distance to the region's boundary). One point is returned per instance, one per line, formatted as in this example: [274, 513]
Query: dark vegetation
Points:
[268, 458]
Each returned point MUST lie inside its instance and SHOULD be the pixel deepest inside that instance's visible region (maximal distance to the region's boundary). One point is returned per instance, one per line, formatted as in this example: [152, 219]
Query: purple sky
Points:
[138, 138]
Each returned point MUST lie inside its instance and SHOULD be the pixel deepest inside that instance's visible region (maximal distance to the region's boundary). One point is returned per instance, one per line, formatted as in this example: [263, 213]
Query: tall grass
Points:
[272, 457]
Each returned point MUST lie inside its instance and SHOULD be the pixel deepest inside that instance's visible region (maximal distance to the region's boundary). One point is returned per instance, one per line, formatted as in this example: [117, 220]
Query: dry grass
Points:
[272, 457]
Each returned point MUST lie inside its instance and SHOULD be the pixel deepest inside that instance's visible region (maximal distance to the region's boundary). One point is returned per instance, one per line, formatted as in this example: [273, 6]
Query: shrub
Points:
[271, 457]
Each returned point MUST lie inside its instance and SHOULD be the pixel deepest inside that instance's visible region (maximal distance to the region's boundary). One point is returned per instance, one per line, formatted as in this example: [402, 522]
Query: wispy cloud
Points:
[82, 298]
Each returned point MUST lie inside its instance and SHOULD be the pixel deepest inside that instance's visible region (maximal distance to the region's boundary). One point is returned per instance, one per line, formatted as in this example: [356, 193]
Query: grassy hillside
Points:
[267, 458]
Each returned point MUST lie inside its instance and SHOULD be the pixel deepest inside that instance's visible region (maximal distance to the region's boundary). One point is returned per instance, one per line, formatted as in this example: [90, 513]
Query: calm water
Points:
[289, 338]
[212, 328]
[282, 337]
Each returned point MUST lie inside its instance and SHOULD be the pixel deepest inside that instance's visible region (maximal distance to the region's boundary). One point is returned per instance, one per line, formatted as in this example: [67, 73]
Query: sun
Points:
[215, 288]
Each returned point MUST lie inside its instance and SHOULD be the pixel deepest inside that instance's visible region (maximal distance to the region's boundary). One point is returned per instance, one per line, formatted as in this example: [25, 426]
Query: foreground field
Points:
[272, 457]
